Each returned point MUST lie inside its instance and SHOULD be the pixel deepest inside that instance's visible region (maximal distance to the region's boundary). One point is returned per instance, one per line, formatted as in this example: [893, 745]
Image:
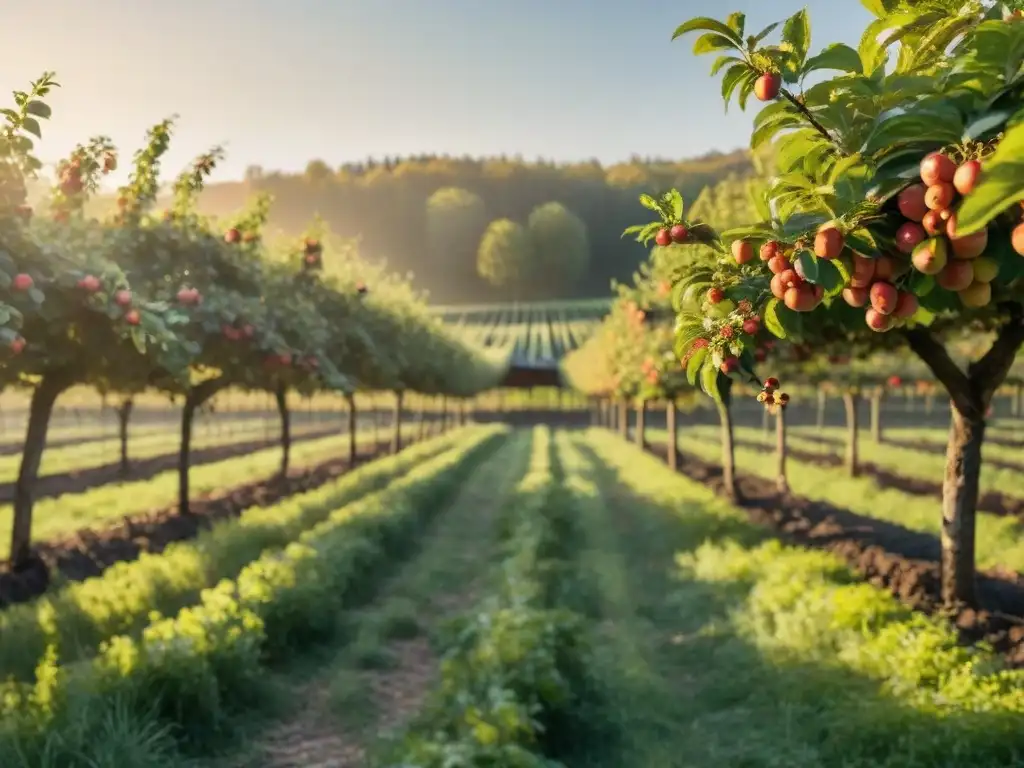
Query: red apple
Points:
[123, 298]
[936, 168]
[17, 345]
[966, 177]
[679, 233]
[906, 305]
[22, 282]
[132, 317]
[911, 202]
[908, 236]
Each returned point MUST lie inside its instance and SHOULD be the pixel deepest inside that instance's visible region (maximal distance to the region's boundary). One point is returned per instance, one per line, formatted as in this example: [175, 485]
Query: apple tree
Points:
[70, 315]
[894, 218]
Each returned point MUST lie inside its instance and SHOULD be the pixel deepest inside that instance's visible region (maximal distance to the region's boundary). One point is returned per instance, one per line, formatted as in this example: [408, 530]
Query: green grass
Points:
[63, 515]
[728, 648]
[201, 670]
[121, 601]
[1000, 539]
[98, 453]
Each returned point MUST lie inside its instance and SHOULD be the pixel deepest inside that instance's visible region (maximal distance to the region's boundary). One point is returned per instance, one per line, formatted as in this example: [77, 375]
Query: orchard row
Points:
[171, 301]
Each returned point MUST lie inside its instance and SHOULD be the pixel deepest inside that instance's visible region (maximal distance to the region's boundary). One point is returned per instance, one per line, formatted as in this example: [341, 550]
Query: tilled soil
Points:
[78, 481]
[989, 501]
[885, 554]
[89, 552]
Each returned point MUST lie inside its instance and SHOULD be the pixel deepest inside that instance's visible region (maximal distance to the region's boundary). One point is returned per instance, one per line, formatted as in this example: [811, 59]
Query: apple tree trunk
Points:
[194, 400]
[44, 397]
[421, 427]
[971, 393]
[728, 445]
[396, 437]
[641, 424]
[851, 460]
[353, 443]
[672, 427]
[281, 398]
[124, 415]
[781, 484]
[876, 417]
[624, 419]
[822, 403]
[444, 414]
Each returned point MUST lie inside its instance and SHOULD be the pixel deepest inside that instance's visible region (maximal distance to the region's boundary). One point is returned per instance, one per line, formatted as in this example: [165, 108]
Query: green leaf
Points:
[986, 124]
[736, 23]
[36, 295]
[796, 32]
[721, 62]
[863, 242]
[772, 323]
[675, 199]
[732, 78]
[809, 266]
[709, 381]
[921, 284]
[746, 88]
[880, 7]
[39, 109]
[843, 165]
[138, 339]
[753, 41]
[886, 31]
[837, 56]
[832, 276]
[31, 125]
[693, 365]
[712, 42]
[649, 202]
[703, 23]
[633, 229]
[943, 127]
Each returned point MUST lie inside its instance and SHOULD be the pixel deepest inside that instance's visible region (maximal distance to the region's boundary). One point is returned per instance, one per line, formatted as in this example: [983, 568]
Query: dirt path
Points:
[382, 678]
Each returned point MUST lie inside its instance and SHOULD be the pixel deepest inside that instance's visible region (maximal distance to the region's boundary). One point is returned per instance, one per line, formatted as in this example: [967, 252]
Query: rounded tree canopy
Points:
[505, 254]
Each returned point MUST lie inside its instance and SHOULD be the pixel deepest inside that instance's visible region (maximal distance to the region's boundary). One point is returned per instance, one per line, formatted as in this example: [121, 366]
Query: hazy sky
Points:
[284, 81]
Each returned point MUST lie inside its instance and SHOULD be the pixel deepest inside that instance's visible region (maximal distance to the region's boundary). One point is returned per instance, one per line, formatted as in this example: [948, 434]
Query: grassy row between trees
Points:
[189, 673]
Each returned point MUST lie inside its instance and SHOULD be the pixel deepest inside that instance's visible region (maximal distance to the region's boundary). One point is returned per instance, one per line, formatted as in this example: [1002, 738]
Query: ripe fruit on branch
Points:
[937, 168]
[779, 264]
[679, 233]
[22, 282]
[906, 305]
[894, 381]
[883, 298]
[771, 384]
[930, 256]
[132, 317]
[885, 268]
[976, 295]
[863, 271]
[908, 236]
[939, 196]
[968, 246]
[731, 364]
[663, 238]
[782, 399]
[777, 287]
[1017, 239]
[855, 297]
[985, 270]
[877, 321]
[767, 86]
[232, 236]
[828, 243]
[742, 251]
[752, 325]
[911, 202]
[934, 222]
[715, 295]
[956, 275]
[89, 284]
[188, 296]
[769, 250]
[17, 345]
[123, 298]
[966, 177]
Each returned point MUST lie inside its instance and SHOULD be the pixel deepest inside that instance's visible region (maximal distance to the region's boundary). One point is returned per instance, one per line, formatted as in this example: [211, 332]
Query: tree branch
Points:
[927, 347]
[808, 116]
[988, 373]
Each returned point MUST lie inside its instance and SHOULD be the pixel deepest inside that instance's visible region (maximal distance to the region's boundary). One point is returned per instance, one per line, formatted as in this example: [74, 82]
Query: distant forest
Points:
[388, 204]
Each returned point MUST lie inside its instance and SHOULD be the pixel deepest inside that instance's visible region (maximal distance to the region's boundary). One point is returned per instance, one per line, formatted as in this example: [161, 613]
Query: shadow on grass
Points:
[737, 675]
